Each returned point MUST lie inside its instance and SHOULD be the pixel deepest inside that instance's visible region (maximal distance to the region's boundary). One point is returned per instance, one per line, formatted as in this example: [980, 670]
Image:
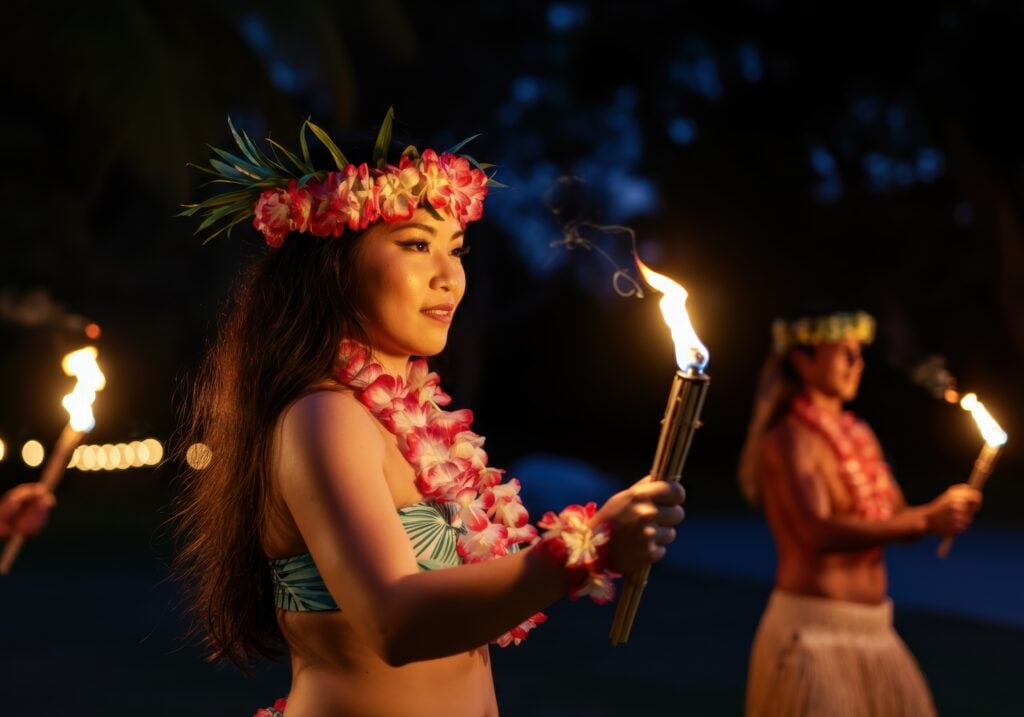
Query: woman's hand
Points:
[952, 512]
[24, 509]
[642, 522]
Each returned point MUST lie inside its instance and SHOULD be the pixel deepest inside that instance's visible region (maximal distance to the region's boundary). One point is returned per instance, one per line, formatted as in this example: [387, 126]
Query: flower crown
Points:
[288, 195]
[813, 330]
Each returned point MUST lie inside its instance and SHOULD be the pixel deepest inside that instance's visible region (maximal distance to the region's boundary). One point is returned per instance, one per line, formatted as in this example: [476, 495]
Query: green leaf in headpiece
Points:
[383, 143]
[226, 228]
[460, 145]
[241, 144]
[215, 216]
[306, 177]
[246, 168]
[303, 144]
[251, 151]
[339, 158]
[303, 168]
[229, 172]
[240, 195]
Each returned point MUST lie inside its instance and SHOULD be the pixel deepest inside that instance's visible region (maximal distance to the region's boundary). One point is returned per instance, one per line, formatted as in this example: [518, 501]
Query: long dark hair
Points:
[778, 386]
[277, 338]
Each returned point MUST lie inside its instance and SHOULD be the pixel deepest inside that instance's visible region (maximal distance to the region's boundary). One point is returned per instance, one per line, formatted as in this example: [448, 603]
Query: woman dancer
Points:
[346, 515]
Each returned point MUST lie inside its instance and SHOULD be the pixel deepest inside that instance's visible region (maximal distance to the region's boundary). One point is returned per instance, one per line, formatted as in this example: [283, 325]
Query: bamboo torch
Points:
[995, 439]
[678, 424]
[82, 365]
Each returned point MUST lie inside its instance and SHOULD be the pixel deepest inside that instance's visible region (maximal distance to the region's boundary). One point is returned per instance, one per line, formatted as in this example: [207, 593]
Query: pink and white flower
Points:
[469, 447]
[406, 415]
[326, 221]
[352, 358]
[444, 480]
[381, 392]
[518, 633]
[598, 586]
[481, 545]
[428, 447]
[572, 529]
[397, 197]
[353, 197]
[276, 711]
[519, 535]
[453, 423]
[273, 216]
[474, 508]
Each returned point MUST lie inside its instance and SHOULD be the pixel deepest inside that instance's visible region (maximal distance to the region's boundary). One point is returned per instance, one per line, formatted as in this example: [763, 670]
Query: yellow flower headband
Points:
[813, 330]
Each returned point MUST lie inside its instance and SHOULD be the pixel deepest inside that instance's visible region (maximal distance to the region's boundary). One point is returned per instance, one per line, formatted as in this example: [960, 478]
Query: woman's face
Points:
[834, 369]
[410, 282]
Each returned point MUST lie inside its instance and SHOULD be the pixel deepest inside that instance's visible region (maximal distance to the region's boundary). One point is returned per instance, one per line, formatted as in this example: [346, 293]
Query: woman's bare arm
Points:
[330, 458]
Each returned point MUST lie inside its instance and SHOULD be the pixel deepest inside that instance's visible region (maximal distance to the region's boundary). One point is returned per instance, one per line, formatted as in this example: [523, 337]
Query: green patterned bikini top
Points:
[299, 587]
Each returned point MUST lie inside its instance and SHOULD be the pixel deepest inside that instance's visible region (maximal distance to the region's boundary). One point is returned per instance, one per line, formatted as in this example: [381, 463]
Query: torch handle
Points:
[632, 589]
[11, 549]
[983, 466]
[53, 471]
[680, 421]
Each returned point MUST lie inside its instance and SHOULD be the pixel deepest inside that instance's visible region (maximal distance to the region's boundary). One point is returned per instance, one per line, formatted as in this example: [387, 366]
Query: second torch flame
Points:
[691, 354]
[994, 437]
[993, 434]
[82, 365]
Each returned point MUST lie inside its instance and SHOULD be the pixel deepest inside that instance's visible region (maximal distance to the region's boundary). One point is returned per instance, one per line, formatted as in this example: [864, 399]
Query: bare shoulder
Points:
[791, 443]
[792, 434]
[779, 437]
[330, 414]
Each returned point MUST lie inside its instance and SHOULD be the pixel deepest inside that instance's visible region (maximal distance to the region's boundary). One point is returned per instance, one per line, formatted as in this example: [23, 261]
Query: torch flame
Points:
[691, 354]
[82, 364]
[990, 430]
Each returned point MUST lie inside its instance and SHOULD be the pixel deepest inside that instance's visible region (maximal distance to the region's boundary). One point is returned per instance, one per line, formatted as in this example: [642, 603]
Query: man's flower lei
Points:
[862, 468]
[451, 467]
[282, 193]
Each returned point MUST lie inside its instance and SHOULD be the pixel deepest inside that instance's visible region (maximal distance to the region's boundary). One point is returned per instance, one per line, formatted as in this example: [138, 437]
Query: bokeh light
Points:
[32, 453]
[198, 456]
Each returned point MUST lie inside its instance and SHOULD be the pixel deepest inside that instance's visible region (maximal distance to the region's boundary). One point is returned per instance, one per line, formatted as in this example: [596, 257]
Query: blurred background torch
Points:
[82, 365]
[994, 437]
[681, 419]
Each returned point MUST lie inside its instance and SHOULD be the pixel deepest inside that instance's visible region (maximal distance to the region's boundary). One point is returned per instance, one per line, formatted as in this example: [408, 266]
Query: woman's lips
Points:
[441, 312]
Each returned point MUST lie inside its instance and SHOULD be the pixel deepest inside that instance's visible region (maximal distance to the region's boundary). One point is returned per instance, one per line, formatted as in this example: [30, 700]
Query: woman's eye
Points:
[416, 245]
[460, 251]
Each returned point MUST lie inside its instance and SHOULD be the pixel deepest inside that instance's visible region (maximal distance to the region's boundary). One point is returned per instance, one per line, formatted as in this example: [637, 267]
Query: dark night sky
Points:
[767, 157]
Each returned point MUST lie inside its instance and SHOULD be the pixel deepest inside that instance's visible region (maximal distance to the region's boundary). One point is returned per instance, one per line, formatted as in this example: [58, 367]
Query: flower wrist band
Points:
[568, 536]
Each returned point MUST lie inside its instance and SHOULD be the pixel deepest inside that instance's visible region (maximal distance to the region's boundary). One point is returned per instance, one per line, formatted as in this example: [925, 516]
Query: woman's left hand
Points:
[641, 520]
[24, 509]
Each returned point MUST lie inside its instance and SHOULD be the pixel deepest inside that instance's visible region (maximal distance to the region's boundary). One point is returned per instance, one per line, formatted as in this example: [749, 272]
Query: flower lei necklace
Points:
[861, 467]
[451, 467]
